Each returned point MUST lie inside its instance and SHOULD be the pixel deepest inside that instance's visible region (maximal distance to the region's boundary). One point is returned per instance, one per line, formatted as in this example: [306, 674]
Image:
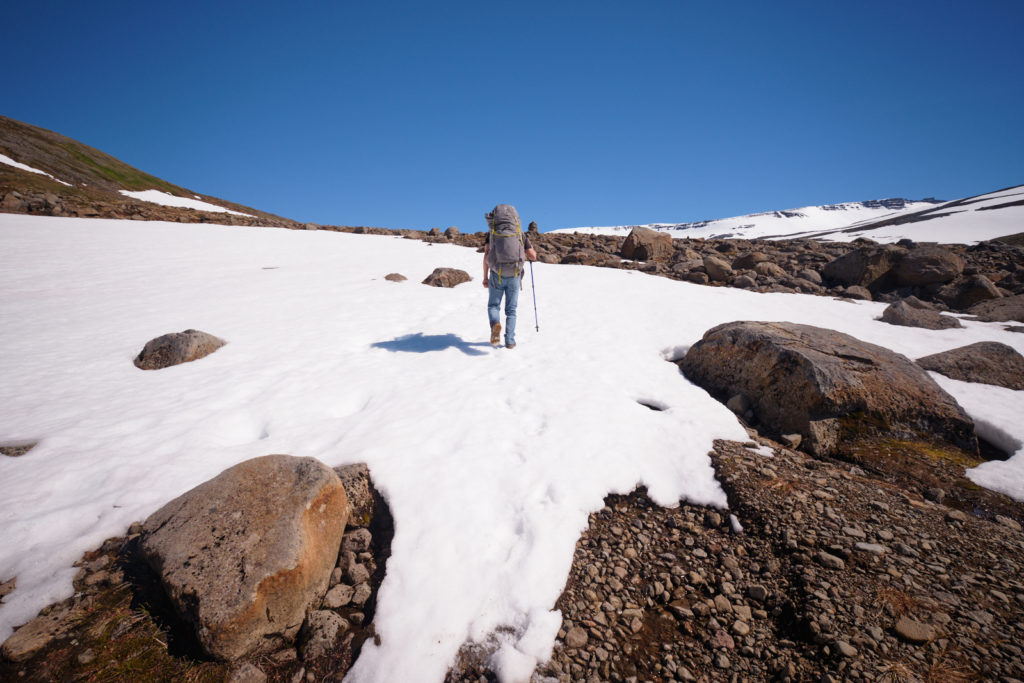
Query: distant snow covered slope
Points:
[970, 220]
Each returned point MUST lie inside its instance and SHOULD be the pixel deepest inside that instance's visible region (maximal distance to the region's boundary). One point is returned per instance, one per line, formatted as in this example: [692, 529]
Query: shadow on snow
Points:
[421, 343]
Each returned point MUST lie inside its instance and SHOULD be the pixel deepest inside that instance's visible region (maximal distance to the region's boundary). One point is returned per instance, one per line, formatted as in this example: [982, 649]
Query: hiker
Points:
[505, 250]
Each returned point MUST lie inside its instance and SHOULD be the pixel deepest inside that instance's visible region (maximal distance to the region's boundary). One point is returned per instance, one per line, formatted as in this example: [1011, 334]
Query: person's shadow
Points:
[421, 343]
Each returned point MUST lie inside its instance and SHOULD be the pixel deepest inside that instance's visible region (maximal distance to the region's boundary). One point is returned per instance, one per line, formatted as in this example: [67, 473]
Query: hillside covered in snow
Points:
[964, 221]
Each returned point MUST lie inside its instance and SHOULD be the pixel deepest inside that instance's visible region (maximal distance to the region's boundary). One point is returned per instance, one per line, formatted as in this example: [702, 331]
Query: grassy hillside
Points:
[94, 180]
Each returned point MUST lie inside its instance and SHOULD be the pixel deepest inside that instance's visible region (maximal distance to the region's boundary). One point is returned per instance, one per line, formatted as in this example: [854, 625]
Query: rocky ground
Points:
[818, 570]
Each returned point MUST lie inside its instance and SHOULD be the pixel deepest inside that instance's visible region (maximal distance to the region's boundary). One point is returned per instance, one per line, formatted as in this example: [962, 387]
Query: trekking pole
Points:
[533, 288]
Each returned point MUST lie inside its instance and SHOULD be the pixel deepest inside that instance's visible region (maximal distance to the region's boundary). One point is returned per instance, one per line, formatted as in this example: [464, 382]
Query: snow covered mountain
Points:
[969, 220]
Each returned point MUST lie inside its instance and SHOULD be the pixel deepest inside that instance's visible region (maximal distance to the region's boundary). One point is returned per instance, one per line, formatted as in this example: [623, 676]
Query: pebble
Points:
[830, 561]
[1007, 522]
[361, 594]
[956, 516]
[872, 548]
[576, 637]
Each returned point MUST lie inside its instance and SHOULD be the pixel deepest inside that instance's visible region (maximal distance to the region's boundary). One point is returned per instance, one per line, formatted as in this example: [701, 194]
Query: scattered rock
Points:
[395, 277]
[576, 637]
[339, 596]
[985, 362]
[717, 269]
[446, 277]
[901, 313]
[321, 631]
[1000, 309]
[243, 555]
[36, 635]
[913, 631]
[176, 348]
[247, 673]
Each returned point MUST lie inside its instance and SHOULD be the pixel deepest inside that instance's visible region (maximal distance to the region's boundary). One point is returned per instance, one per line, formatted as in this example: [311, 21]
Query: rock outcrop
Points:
[985, 362]
[446, 277]
[176, 348]
[829, 387]
[244, 555]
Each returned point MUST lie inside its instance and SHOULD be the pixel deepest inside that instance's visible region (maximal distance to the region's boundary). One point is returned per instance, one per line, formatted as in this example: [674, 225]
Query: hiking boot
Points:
[510, 346]
[495, 334]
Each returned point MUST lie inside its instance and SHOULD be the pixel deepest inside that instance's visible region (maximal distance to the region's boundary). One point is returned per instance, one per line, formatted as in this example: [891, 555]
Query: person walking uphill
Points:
[505, 250]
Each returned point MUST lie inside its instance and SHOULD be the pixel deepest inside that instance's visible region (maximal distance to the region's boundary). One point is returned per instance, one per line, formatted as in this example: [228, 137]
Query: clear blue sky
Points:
[412, 114]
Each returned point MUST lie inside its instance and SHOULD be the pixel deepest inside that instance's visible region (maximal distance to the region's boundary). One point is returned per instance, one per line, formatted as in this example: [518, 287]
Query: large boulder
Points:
[870, 267]
[965, 292]
[717, 269]
[175, 348]
[1000, 310]
[749, 260]
[928, 266]
[827, 386]
[985, 362]
[644, 244]
[243, 555]
[902, 313]
[446, 277]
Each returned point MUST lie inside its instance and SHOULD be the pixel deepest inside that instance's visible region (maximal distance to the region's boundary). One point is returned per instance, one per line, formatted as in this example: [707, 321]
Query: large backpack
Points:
[506, 251]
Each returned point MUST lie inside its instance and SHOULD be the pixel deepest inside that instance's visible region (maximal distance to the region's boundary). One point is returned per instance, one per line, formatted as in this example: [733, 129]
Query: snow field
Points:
[490, 459]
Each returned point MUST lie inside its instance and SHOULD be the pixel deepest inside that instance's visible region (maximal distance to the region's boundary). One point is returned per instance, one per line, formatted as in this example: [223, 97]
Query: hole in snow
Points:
[651, 404]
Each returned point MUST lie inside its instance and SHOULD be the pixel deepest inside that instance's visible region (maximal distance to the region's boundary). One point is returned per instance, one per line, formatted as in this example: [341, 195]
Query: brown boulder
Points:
[749, 260]
[870, 267]
[644, 244]
[1000, 310]
[446, 277]
[827, 386]
[395, 277]
[243, 555]
[769, 269]
[965, 292]
[902, 313]
[718, 269]
[928, 266]
[985, 362]
[176, 348]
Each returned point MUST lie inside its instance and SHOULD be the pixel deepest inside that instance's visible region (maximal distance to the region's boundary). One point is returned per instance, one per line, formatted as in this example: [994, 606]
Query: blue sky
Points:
[403, 114]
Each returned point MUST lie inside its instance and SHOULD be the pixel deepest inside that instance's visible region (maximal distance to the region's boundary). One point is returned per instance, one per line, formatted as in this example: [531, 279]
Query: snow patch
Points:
[165, 199]
[17, 164]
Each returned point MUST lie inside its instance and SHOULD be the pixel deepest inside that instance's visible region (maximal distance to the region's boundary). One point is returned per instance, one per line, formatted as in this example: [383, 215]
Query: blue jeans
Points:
[509, 287]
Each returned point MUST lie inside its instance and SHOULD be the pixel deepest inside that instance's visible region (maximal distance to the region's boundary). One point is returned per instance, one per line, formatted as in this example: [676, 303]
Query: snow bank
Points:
[490, 459]
[165, 199]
